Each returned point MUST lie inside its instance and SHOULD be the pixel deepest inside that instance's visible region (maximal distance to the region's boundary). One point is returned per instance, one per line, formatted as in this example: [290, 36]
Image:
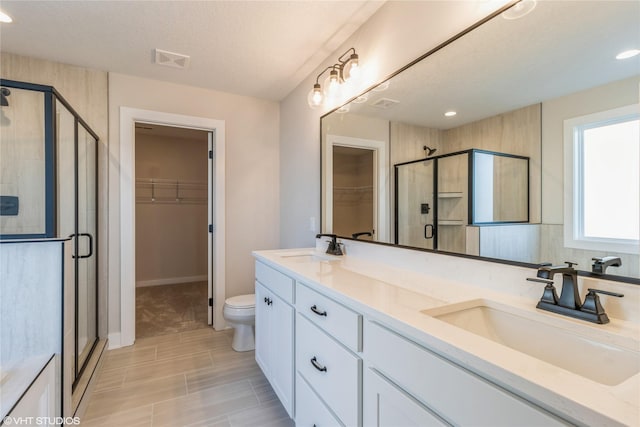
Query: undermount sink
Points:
[525, 332]
[307, 256]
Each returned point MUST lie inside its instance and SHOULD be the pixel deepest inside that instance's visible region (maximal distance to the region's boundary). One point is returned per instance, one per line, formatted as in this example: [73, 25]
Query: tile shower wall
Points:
[31, 283]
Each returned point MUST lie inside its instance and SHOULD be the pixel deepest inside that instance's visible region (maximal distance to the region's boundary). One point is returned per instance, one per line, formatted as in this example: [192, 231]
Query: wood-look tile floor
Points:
[190, 378]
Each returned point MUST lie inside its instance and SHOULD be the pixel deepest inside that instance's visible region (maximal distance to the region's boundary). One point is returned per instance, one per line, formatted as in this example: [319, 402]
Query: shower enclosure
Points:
[437, 198]
[48, 188]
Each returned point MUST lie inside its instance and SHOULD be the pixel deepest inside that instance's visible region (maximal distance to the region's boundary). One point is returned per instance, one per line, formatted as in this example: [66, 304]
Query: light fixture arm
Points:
[323, 71]
[342, 59]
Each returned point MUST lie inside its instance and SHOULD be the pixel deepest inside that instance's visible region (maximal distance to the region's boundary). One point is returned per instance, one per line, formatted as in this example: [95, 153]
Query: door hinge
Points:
[210, 228]
[210, 302]
[211, 154]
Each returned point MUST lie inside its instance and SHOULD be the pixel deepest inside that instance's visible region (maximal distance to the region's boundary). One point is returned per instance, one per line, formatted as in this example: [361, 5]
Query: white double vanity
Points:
[386, 336]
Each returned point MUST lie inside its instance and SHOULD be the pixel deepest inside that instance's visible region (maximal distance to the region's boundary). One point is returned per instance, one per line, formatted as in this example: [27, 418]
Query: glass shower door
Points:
[77, 218]
[86, 297]
[415, 204]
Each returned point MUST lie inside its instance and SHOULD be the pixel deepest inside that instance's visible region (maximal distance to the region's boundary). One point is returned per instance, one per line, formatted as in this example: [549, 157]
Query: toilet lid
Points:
[242, 301]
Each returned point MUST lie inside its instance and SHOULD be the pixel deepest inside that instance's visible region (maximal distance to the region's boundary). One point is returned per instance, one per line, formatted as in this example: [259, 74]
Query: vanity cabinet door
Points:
[274, 343]
[262, 329]
[385, 405]
[40, 400]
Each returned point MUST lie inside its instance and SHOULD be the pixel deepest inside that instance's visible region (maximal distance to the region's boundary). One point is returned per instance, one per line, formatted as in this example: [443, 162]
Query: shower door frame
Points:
[51, 95]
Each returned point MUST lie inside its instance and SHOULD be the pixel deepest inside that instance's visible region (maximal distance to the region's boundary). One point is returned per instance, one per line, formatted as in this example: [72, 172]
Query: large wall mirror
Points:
[486, 147]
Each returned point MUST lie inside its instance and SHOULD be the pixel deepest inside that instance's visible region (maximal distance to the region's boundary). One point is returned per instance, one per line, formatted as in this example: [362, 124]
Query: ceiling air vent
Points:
[384, 103]
[171, 59]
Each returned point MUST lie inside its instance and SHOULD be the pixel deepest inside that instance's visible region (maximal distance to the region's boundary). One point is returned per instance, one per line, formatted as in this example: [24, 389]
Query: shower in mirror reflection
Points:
[4, 102]
[428, 151]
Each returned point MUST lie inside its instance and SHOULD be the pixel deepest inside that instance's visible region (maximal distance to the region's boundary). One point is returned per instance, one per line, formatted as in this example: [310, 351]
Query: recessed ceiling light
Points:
[5, 18]
[628, 54]
[450, 113]
[519, 9]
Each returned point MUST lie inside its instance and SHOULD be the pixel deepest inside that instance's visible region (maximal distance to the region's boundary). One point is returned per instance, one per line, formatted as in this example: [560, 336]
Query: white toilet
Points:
[240, 314]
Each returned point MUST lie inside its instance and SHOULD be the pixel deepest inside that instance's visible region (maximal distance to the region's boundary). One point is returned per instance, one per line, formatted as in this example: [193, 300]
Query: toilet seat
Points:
[242, 301]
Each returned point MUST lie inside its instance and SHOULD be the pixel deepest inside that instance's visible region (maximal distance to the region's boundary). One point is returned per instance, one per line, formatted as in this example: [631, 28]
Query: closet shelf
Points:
[451, 222]
[451, 195]
[170, 191]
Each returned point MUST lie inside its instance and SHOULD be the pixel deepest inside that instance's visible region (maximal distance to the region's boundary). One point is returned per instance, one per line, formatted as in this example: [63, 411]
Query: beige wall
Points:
[171, 236]
[394, 36]
[252, 163]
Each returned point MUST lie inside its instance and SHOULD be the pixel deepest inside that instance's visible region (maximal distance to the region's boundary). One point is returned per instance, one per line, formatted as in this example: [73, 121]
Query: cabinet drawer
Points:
[310, 410]
[277, 282]
[453, 393]
[331, 370]
[334, 318]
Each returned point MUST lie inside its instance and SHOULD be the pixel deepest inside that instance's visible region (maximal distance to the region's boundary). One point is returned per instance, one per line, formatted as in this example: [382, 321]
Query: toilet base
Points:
[243, 338]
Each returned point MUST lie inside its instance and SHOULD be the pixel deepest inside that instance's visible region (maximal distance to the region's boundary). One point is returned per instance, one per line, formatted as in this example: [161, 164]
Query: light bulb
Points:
[5, 18]
[628, 54]
[315, 96]
[351, 69]
[332, 87]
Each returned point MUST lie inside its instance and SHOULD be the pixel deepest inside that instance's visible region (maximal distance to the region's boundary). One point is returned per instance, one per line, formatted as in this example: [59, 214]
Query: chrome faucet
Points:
[569, 302]
[334, 246]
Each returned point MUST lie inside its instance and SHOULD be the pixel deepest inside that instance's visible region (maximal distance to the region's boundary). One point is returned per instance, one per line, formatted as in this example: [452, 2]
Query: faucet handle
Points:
[592, 304]
[570, 264]
[600, 291]
[545, 281]
[550, 296]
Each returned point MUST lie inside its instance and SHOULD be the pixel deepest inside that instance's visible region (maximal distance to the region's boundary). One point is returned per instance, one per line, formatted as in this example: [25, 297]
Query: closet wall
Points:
[352, 191]
[171, 235]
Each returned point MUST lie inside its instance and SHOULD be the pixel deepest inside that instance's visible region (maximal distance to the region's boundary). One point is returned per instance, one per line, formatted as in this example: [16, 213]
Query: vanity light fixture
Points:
[4, 18]
[628, 54]
[345, 69]
[450, 113]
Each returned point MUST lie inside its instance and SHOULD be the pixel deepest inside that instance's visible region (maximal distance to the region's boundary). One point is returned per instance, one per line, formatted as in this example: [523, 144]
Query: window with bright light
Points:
[604, 192]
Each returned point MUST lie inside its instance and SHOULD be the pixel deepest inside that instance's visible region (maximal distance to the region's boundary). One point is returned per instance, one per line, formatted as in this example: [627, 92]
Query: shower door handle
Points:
[90, 245]
[428, 227]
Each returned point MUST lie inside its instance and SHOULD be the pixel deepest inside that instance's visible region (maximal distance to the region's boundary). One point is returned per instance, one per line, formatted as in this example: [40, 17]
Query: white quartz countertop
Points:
[397, 298]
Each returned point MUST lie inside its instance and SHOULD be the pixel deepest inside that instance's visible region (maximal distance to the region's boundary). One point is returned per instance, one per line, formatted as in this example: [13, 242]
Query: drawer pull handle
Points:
[316, 311]
[318, 366]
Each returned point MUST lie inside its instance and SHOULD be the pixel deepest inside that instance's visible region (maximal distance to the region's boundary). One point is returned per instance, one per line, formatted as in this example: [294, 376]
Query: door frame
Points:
[380, 177]
[128, 118]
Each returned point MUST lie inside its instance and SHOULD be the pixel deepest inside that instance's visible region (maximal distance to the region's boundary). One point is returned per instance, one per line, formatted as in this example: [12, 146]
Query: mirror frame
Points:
[582, 273]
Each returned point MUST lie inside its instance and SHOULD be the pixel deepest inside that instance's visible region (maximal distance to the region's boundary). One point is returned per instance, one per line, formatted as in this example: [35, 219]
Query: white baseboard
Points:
[170, 281]
[114, 341]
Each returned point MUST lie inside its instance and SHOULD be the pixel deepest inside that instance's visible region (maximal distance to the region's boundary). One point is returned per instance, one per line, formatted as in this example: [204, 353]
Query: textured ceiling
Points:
[262, 49]
[561, 47]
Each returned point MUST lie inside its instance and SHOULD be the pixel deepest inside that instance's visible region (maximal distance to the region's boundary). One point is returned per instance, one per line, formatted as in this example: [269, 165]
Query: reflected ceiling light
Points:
[361, 99]
[450, 113]
[628, 54]
[5, 18]
[382, 86]
[519, 9]
[345, 69]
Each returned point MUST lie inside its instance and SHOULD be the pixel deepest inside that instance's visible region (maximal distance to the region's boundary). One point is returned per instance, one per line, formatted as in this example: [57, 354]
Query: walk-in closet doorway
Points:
[135, 188]
[172, 184]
